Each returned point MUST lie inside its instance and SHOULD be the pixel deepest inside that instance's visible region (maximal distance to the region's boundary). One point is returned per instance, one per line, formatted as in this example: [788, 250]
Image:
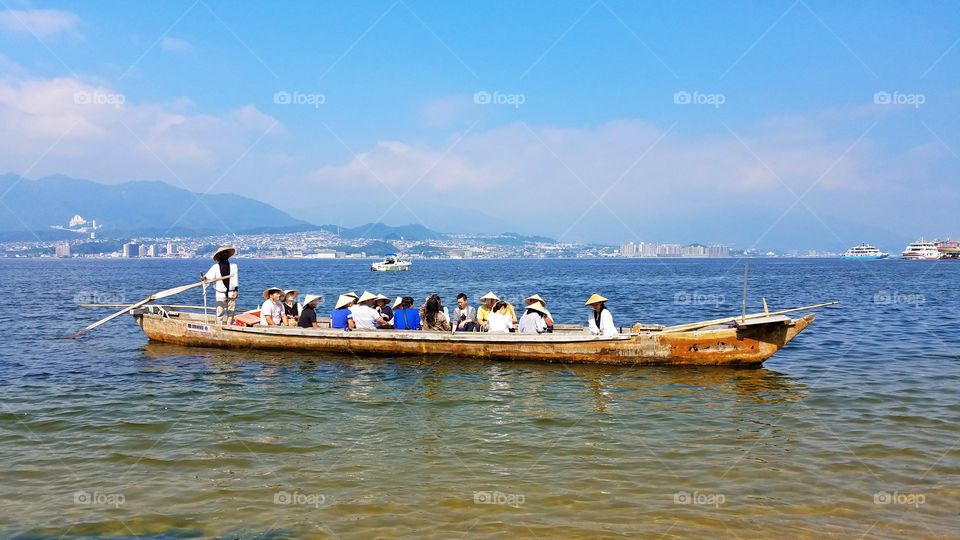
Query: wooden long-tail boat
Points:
[746, 341]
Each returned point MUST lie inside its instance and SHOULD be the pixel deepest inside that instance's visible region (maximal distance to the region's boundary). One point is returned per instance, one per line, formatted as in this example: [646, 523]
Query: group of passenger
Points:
[369, 311]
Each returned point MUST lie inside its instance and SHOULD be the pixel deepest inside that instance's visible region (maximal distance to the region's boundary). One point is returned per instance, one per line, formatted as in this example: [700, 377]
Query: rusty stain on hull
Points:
[713, 346]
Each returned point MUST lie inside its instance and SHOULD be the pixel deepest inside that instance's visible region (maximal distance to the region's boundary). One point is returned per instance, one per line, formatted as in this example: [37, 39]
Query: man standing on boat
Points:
[227, 289]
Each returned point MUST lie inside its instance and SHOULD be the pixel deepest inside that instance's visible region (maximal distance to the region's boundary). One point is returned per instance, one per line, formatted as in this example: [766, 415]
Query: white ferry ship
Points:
[864, 251]
[921, 251]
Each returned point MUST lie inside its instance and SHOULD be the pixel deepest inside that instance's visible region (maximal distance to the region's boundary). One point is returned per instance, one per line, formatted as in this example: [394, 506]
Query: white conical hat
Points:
[538, 307]
[367, 295]
[310, 298]
[490, 296]
[536, 298]
[343, 300]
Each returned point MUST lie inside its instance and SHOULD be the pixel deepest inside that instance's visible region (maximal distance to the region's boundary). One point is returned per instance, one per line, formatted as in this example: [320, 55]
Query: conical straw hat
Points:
[397, 302]
[490, 296]
[230, 251]
[594, 299]
[266, 293]
[367, 295]
[343, 300]
[310, 298]
[536, 298]
[538, 307]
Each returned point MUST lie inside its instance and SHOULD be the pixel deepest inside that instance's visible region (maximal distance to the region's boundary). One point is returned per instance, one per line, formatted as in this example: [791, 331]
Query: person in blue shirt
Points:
[340, 317]
[406, 317]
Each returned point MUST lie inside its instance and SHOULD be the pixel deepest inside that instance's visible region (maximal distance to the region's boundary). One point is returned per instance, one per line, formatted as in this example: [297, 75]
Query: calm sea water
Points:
[853, 430]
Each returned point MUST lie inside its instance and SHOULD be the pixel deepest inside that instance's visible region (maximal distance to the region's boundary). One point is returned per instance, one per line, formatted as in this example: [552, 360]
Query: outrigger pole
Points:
[151, 298]
[742, 317]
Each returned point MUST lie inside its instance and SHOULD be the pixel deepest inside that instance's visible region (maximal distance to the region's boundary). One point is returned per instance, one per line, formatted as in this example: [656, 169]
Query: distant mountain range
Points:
[132, 208]
[31, 207]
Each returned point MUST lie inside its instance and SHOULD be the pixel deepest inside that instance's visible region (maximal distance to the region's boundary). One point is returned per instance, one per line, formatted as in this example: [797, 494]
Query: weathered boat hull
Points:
[749, 345]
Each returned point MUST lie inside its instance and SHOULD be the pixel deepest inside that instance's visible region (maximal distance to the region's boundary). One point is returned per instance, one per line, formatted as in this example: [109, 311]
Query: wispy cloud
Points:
[175, 45]
[39, 22]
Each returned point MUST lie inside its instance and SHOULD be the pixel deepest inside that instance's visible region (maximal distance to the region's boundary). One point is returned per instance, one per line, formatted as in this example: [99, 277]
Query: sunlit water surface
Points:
[853, 430]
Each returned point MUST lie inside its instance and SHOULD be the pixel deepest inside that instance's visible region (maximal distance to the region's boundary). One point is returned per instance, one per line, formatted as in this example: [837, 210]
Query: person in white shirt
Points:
[227, 289]
[534, 320]
[601, 320]
[365, 317]
[499, 319]
[272, 312]
[534, 298]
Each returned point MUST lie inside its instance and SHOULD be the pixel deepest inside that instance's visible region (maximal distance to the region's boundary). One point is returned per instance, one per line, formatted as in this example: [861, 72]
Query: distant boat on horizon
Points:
[921, 251]
[949, 249]
[391, 263]
[864, 251]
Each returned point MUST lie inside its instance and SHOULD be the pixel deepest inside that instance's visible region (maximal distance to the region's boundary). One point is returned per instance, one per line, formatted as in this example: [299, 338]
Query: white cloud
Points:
[175, 45]
[39, 22]
[518, 171]
[63, 125]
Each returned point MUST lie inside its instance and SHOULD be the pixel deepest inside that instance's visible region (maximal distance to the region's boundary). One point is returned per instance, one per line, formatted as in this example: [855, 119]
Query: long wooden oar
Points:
[174, 306]
[702, 324]
[151, 298]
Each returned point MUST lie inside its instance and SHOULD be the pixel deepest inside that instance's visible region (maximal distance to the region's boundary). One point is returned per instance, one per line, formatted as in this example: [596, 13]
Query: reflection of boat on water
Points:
[722, 342]
[949, 249]
[921, 251]
[391, 263]
[864, 252]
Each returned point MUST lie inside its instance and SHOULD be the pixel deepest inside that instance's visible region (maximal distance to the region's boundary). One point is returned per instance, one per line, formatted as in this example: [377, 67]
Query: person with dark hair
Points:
[382, 305]
[227, 289]
[464, 315]
[499, 319]
[291, 307]
[432, 315]
[406, 317]
[601, 321]
[534, 320]
[308, 315]
[271, 311]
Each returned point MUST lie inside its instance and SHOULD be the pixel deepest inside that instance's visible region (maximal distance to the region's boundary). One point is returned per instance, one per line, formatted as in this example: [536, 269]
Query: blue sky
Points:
[607, 121]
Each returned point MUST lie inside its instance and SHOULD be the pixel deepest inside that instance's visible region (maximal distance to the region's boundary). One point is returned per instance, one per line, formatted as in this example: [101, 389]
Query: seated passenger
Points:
[532, 299]
[601, 320]
[534, 320]
[386, 313]
[406, 317]
[365, 317]
[340, 317]
[499, 320]
[483, 312]
[308, 316]
[291, 307]
[433, 316]
[464, 316]
[271, 312]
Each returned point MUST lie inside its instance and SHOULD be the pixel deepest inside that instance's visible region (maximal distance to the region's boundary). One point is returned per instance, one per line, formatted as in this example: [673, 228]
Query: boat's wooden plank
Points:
[782, 319]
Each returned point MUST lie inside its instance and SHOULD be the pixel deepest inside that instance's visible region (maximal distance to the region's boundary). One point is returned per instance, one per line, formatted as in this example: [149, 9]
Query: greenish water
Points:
[852, 431]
